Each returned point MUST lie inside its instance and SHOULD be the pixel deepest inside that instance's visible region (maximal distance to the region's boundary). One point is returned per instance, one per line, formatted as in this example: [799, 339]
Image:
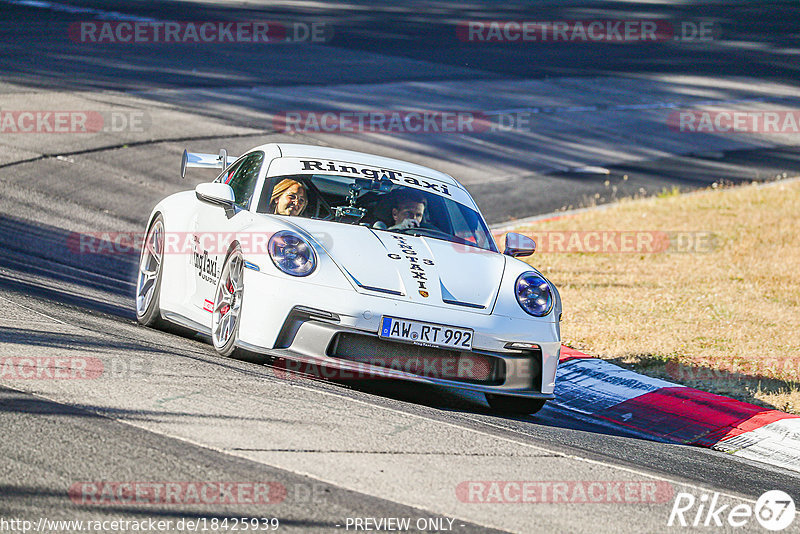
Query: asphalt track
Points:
[341, 450]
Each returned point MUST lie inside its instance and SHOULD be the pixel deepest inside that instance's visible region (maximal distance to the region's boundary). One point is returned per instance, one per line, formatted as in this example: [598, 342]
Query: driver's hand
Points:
[407, 223]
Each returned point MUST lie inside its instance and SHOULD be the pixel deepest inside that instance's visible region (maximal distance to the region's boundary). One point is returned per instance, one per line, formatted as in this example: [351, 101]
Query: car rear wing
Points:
[206, 161]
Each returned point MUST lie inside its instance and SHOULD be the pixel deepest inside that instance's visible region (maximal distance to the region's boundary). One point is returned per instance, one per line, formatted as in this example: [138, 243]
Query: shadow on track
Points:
[761, 42]
[452, 400]
[42, 260]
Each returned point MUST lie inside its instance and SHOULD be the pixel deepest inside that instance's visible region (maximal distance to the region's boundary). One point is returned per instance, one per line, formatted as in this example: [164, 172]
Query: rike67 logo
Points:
[774, 510]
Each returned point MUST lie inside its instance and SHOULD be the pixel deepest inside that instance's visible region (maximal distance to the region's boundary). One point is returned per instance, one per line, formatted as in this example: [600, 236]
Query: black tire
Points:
[148, 276]
[514, 405]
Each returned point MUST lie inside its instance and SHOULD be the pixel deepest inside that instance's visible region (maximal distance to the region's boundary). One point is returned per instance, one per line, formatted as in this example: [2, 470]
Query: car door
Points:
[215, 228]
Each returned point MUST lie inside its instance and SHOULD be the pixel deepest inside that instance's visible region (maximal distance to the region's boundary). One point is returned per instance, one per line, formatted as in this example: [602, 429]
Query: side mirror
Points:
[518, 245]
[216, 193]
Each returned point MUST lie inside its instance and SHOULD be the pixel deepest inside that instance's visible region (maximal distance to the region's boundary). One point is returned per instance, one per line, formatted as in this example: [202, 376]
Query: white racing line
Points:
[623, 107]
[37, 312]
[78, 10]
[539, 447]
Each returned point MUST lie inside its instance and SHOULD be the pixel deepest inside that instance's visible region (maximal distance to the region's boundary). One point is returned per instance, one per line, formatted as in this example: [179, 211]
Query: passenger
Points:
[288, 198]
[407, 211]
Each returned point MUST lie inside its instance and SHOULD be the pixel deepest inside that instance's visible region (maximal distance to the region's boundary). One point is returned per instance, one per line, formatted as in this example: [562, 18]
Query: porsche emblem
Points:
[423, 293]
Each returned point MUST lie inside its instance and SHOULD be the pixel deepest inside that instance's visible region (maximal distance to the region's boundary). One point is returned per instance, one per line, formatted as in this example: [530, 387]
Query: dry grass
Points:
[725, 320]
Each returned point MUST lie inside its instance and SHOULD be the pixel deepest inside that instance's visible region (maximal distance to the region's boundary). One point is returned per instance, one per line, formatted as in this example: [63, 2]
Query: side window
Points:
[243, 178]
[226, 176]
[466, 224]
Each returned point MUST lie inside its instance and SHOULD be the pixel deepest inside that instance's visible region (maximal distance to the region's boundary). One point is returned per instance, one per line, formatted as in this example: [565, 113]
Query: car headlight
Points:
[534, 294]
[292, 254]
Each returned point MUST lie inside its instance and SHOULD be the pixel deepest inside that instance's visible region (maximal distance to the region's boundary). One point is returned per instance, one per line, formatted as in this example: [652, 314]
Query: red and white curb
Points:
[673, 413]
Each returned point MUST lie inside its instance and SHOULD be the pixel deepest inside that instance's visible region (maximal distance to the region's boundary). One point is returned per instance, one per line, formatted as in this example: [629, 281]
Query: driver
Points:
[407, 212]
[288, 198]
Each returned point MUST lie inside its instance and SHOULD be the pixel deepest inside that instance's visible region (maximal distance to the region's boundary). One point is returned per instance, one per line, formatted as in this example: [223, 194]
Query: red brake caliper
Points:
[225, 308]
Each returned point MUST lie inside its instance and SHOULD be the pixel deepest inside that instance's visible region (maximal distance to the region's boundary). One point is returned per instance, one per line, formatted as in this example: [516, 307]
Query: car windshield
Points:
[378, 203]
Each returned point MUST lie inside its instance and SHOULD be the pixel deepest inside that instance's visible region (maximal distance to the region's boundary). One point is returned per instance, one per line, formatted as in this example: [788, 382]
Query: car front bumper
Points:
[306, 323]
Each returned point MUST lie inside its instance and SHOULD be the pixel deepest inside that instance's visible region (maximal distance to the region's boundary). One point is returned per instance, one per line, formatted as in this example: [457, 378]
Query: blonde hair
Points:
[280, 188]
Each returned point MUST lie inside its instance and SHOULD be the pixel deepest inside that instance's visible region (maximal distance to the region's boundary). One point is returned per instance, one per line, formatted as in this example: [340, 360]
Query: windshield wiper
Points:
[419, 231]
[424, 229]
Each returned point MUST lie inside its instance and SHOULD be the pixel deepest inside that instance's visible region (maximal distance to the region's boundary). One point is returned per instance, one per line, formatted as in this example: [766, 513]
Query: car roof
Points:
[292, 150]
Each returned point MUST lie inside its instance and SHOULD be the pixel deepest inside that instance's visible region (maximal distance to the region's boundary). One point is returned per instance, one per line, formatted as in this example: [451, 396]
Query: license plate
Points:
[429, 334]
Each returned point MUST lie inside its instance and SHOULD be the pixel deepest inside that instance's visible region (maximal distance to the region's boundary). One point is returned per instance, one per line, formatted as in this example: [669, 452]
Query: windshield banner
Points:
[293, 166]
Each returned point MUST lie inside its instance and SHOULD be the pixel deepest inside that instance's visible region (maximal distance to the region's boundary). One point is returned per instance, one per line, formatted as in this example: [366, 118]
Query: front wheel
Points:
[514, 405]
[228, 303]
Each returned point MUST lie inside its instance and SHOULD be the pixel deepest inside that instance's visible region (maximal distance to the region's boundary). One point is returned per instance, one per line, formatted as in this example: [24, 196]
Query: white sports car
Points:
[354, 262]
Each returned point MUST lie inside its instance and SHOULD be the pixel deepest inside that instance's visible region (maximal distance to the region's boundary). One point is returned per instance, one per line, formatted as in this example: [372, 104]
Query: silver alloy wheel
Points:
[227, 302]
[149, 267]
